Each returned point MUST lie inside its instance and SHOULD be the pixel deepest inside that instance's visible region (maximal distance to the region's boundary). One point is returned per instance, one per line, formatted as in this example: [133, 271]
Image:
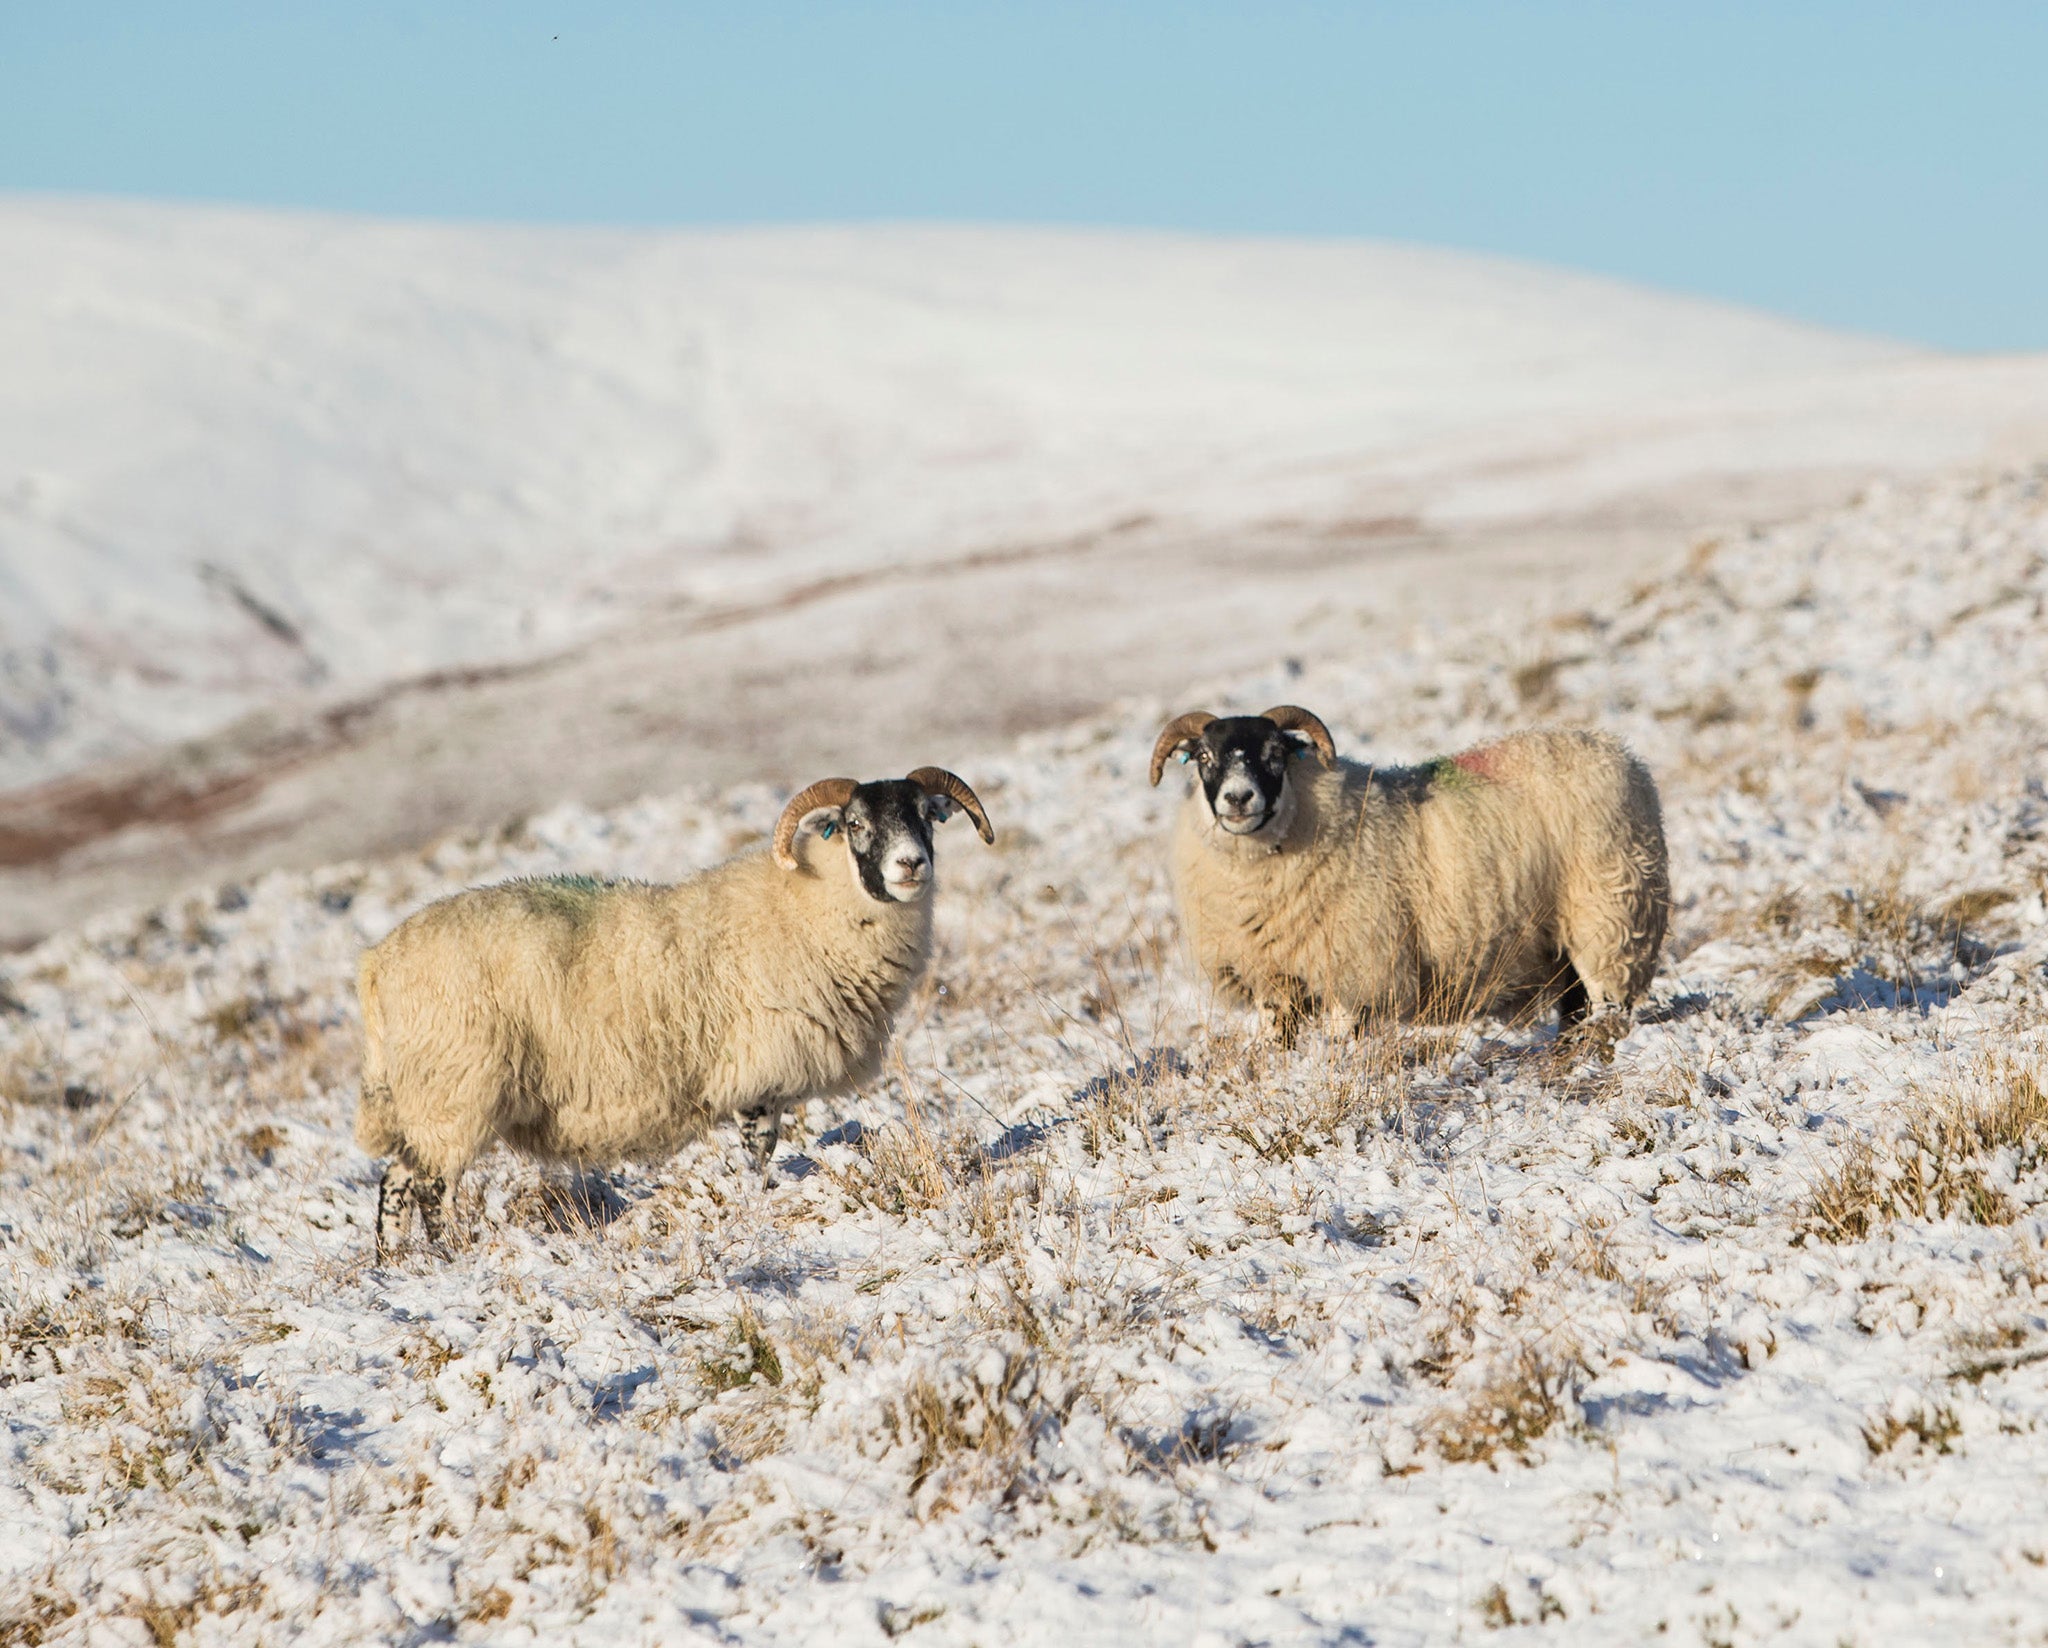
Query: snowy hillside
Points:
[251, 454]
[320, 537]
[1097, 1319]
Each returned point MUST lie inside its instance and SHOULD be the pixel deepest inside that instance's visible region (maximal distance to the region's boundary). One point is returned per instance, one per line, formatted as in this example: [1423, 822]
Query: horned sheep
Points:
[1517, 876]
[588, 1022]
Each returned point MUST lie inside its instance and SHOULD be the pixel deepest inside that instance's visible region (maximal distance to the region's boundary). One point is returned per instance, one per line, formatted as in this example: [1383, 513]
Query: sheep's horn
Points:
[1293, 718]
[937, 781]
[1178, 731]
[827, 792]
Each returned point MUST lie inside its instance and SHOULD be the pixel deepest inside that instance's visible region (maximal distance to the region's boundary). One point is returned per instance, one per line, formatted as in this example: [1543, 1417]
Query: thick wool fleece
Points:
[1472, 884]
[588, 1022]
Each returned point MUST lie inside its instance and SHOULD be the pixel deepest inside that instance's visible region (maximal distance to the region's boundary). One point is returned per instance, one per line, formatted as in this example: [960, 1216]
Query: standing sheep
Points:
[1522, 874]
[584, 1021]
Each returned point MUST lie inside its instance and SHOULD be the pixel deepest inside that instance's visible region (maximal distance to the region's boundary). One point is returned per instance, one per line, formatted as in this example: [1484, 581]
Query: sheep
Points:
[587, 1022]
[1520, 875]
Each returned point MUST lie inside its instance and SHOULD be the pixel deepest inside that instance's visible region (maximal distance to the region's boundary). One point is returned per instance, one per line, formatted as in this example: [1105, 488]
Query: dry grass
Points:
[1879, 929]
[902, 1168]
[749, 1356]
[35, 1617]
[1939, 1167]
[1523, 1399]
[167, 1621]
[972, 1424]
[1536, 684]
[1933, 1427]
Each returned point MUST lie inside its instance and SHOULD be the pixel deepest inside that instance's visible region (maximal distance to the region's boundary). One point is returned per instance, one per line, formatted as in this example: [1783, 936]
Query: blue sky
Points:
[1875, 166]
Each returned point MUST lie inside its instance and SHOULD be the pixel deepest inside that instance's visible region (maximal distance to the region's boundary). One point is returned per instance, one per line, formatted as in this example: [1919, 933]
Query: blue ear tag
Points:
[826, 832]
[1184, 758]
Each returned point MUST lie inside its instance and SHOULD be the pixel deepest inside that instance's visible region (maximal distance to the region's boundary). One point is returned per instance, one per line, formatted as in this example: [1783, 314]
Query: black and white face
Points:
[888, 827]
[1242, 762]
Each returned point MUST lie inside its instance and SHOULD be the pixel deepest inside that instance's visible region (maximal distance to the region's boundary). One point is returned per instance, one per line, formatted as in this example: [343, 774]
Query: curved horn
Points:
[1178, 731]
[827, 792]
[937, 781]
[1293, 718]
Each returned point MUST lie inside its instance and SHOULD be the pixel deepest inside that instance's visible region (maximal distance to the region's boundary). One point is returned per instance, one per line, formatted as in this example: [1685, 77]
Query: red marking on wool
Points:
[1479, 762]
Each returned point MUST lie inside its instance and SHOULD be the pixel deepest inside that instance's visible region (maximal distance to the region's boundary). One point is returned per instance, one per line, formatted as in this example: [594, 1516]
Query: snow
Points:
[1098, 1319]
[248, 455]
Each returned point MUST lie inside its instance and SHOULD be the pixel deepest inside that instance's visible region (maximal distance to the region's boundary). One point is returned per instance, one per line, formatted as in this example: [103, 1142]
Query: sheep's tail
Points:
[377, 1129]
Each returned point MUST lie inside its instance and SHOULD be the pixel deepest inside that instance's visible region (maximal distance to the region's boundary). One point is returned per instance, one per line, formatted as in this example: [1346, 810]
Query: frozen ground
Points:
[1097, 1319]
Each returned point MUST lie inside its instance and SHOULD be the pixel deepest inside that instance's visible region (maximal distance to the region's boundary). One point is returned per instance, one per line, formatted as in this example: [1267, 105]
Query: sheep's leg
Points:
[1586, 1027]
[1595, 1035]
[1573, 1004]
[1281, 1021]
[760, 1128]
[1283, 1014]
[395, 1208]
[435, 1198]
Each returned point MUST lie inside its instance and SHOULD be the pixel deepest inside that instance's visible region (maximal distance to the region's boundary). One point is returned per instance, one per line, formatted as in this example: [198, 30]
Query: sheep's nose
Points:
[912, 866]
[1236, 798]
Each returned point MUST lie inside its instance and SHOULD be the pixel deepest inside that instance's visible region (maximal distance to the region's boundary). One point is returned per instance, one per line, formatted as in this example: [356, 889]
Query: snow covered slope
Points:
[1097, 1320]
[319, 537]
[245, 453]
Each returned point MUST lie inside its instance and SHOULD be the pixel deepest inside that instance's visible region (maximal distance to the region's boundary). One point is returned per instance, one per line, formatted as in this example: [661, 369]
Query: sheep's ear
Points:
[939, 808]
[825, 820]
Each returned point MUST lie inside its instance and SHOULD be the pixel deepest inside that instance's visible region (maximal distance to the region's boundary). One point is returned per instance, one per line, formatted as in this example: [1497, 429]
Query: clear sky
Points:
[1870, 165]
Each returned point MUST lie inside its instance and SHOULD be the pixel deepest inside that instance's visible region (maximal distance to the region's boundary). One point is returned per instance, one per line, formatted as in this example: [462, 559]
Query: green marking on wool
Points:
[1446, 773]
[574, 883]
[572, 896]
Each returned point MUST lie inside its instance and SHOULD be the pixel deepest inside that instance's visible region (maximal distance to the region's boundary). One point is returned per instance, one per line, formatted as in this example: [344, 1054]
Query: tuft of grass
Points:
[972, 1425]
[1934, 1428]
[1714, 709]
[492, 1605]
[903, 1167]
[1497, 1608]
[1800, 687]
[37, 1617]
[1522, 1401]
[234, 1020]
[1535, 683]
[749, 1356]
[895, 1619]
[166, 1622]
[1938, 1170]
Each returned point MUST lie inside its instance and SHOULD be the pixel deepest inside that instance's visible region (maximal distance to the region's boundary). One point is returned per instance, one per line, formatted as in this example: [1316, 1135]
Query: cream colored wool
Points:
[589, 1023]
[1438, 892]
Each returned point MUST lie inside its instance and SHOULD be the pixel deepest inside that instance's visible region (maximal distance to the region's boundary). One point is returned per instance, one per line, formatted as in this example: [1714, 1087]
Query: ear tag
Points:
[1185, 758]
[827, 830]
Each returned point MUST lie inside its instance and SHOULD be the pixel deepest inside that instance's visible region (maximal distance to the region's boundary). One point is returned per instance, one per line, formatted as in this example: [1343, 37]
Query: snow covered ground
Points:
[1097, 1319]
